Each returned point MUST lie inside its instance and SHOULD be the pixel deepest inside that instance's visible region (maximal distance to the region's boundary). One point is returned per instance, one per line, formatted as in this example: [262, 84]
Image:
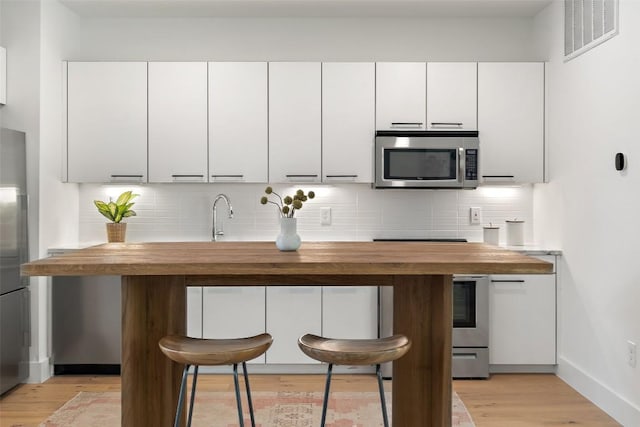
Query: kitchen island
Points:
[155, 276]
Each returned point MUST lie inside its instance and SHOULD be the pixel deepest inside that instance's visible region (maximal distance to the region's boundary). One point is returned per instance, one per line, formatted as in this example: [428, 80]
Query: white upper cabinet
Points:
[107, 121]
[511, 122]
[348, 121]
[401, 95]
[177, 122]
[294, 122]
[452, 94]
[238, 127]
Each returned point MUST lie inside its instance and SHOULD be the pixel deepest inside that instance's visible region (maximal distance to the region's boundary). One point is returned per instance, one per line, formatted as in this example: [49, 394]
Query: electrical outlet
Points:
[475, 215]
[631, 354]
[325, 216]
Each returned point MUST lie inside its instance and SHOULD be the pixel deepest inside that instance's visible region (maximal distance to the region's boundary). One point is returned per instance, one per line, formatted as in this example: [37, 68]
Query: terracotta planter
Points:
[116, 231]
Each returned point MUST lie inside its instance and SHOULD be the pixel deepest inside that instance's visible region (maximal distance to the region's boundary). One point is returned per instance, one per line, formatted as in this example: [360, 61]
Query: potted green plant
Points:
[288, 239]
[116, 212]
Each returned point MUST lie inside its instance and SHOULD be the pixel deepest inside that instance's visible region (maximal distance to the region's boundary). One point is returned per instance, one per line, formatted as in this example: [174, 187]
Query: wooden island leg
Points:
[422, 310]
[152, 307]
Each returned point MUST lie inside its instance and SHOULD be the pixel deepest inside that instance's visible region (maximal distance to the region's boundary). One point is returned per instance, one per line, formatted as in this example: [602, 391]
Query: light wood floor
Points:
[502, 401]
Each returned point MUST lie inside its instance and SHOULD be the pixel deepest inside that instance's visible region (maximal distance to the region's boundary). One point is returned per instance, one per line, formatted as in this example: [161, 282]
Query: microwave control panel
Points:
[471, 165]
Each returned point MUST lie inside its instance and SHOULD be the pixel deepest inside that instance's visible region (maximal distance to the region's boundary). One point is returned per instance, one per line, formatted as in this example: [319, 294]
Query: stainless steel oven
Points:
[470, 327]
[470, 324]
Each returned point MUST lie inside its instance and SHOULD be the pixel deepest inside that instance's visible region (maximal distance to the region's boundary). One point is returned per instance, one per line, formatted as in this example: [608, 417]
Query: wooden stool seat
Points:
[354, 351]
[208, 352]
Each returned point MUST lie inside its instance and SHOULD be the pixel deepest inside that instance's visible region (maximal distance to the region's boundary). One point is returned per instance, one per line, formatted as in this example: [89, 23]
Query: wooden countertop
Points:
[263, 258]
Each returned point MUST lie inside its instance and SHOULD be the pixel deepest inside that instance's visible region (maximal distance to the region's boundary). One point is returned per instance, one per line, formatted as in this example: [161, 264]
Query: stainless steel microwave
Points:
[426, 159]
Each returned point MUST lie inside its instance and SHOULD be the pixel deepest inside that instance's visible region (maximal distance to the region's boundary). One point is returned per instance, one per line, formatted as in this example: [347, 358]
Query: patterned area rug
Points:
[218, 409]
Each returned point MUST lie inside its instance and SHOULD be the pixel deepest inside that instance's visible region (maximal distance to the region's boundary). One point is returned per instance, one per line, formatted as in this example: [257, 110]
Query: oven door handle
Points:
[462, 166]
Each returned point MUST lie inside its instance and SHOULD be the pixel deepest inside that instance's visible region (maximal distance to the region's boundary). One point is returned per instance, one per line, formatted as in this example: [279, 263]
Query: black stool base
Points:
[183, 388]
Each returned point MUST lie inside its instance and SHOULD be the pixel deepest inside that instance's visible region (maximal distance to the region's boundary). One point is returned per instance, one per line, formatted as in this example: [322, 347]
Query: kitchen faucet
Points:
[214, 231]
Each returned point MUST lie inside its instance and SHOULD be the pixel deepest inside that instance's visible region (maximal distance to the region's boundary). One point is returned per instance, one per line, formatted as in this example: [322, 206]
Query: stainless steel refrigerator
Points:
[14, 291]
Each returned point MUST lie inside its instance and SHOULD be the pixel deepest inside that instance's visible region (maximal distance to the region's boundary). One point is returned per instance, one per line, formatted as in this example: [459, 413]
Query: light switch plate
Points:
[325, 216]
[475, 215]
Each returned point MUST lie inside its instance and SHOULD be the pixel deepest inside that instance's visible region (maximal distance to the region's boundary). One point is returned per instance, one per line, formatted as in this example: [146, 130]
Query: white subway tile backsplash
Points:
[172, 212]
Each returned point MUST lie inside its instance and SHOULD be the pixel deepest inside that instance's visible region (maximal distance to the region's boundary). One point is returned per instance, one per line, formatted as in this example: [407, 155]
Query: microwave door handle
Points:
[462, 164]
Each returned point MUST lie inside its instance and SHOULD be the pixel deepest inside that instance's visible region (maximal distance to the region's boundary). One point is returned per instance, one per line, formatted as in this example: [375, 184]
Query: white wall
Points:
[59, 202]
[20, 28]
[593, 104]
[328, 39]
[38, 35]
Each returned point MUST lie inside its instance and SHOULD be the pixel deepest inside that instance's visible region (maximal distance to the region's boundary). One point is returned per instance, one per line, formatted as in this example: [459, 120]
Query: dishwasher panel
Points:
[86, 324]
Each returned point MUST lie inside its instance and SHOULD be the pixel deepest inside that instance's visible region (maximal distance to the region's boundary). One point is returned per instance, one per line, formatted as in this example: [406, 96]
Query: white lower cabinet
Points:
[292, 311]
[523, 319]
[233, 312]
[286, 312]
[194, 311]
[350, 312]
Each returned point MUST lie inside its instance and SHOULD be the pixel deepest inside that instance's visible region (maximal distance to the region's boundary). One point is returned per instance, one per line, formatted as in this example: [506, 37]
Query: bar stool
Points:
[354, 352]
[212, 352]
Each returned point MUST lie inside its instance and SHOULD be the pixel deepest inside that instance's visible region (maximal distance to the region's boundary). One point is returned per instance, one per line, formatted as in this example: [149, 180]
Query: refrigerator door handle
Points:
[26, 333]
[22, 201]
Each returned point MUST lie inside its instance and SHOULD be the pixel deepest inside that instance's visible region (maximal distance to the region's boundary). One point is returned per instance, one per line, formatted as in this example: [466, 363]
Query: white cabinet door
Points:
[177, 122]
[350, 312]
[348, 121]
[194, 311]
[523, 319]
[233, 312]
[401, 95]
[292, 311]
[107, 121]
[452, 95]
[294, 122]
[238, 131]
[511, 122]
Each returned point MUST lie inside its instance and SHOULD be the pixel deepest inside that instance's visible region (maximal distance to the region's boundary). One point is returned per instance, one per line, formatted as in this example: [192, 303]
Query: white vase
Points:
[288, 239]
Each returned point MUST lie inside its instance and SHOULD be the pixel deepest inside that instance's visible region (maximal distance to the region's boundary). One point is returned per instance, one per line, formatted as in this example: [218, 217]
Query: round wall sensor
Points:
[620, 161]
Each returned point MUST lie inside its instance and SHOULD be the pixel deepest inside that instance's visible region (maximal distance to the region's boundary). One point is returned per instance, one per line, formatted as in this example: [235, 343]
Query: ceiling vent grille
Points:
[587, 23]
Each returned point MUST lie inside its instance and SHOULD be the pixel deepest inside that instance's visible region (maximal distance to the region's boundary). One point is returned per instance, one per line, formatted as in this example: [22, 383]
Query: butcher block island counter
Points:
[155, 276]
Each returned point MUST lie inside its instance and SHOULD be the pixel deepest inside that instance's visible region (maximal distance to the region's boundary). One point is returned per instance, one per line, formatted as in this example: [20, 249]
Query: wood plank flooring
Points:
[505, 400]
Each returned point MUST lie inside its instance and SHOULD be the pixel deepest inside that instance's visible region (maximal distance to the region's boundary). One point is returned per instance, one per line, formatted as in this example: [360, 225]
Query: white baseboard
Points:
[39, 371]
[623, 411]
[522, 369]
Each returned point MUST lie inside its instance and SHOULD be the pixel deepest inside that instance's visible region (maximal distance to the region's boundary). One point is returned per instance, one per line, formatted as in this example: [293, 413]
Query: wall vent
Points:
[587, 23]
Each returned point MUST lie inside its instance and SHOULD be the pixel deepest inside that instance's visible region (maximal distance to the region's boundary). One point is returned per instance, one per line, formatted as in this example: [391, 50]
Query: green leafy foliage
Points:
[118, 210]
